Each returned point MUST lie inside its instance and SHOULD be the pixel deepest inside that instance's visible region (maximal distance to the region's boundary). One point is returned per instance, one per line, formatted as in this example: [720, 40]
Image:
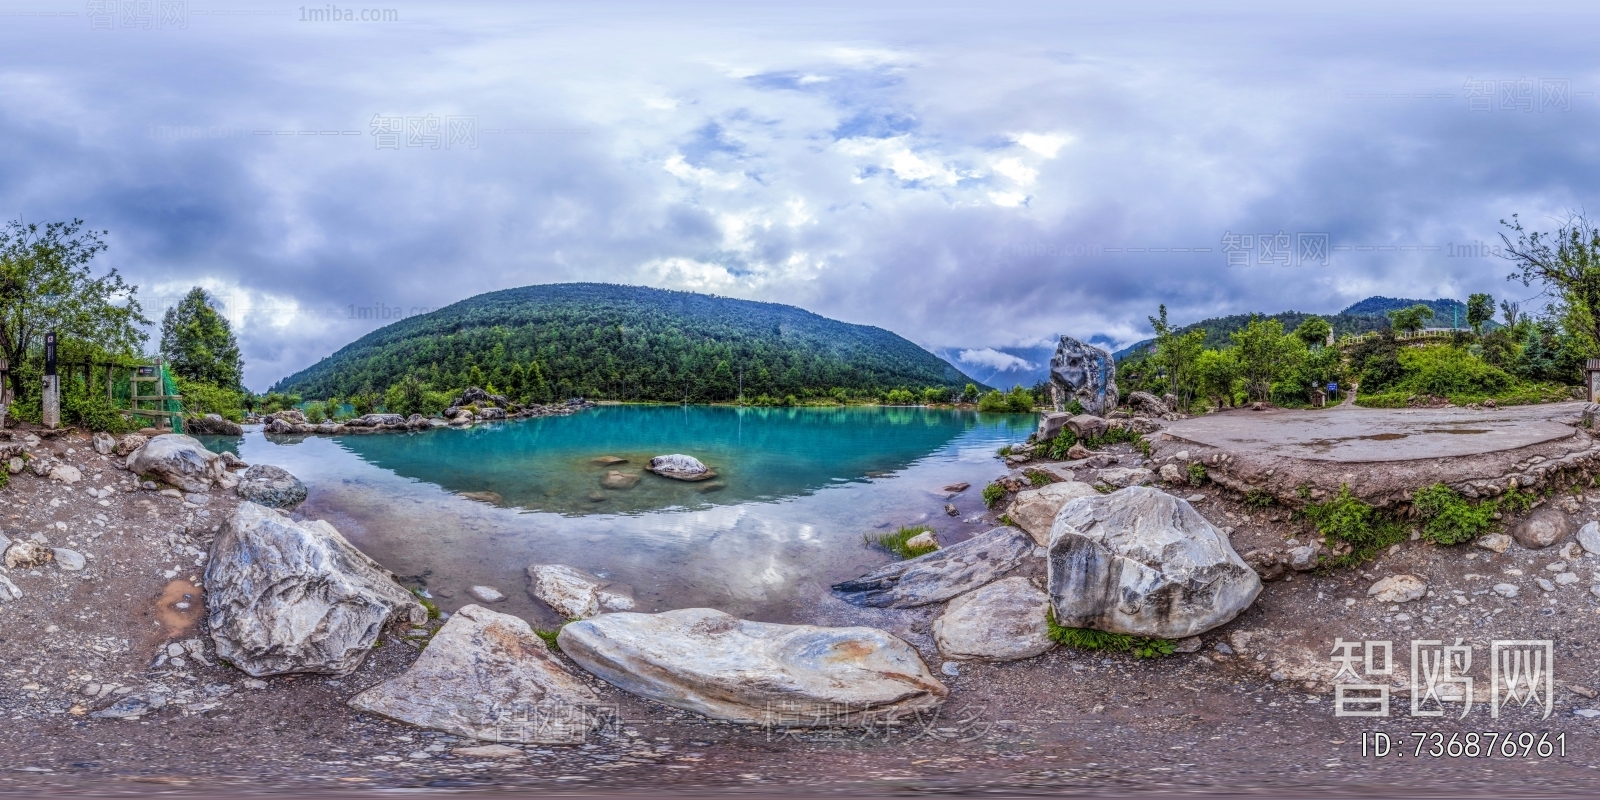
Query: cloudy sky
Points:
[971, 176]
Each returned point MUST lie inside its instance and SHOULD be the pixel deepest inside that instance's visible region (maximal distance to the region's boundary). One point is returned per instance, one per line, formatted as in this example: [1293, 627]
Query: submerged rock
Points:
[616, 479]
[287, 596]
[1034, 510]
[940, 575]
[1003, 621]
[575, 594]
[487, 675]
[271, 486]
[705, 661]
[681, 467]
[1142, 562]
[179, 460]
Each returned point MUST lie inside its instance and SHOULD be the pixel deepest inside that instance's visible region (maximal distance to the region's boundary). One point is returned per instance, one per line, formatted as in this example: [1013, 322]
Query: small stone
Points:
[1189, 645]
[1496, 542]
[15, 465]
[1586, 713]
[1589, 537]
[1505, 589]
[923, 541]
[1196, 498]
[69, 560]
[1556, 566]
[1566, 578]
[1545, 584]
[950, 508]
[1398, 589]
[1171, 474]
[950, 668]
[1542, 528]
[487, 594]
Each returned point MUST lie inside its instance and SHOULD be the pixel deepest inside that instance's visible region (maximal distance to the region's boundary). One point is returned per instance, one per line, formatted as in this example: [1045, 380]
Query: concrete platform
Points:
[1350, 434]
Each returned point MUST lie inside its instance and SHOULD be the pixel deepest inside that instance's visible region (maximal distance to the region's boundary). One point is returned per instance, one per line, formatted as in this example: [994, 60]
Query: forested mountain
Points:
[625, 342]
[1367, 315]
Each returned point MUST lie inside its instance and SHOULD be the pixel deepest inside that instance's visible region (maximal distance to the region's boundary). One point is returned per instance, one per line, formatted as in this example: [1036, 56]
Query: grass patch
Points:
[1005, 451]
[1038, 477]
[896, 542]
[1347, 520]
[432, 607]
[1260, 498]
[549, 638]
[1197, 473]
[1089, 639]
[1517, 502]
[1448, 518]
[1005, 519]
[992, 494]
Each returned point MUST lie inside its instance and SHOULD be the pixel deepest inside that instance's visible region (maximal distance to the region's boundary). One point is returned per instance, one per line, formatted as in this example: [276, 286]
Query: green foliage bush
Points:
[899, 397]
[992, 494]
[1090, 639]
[1445, 371]
[94, 412]
[895, 541]
[1197, 473]
[993, 400]
[1346, 519]
[1448, 518]
[200, 397]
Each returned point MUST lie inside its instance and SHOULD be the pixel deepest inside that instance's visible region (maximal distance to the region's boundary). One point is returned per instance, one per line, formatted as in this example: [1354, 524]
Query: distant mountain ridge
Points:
[599, 340]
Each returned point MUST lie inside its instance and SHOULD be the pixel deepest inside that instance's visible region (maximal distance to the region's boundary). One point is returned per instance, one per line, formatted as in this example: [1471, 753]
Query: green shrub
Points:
[1197, 473]
[1057, 448]
[1449, 518]
[1089, 639]
[1260, 498]
[895, 542]
[1038, 477]
[899, 397]
[550, 638]
[1443, 370]
[1019, 400]
[1004, 451]
[992, 494]
[993, 400]
[206, 398]
[1347, 520]
[94, 412]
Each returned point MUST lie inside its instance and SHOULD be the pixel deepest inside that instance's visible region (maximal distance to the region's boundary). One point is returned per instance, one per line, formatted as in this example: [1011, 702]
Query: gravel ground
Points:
[1250, 709]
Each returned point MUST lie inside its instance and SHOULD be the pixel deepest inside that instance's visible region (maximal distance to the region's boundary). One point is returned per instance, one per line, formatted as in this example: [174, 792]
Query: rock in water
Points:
[288, 596]
[488, 676]
[213, 424]
[1034, 510]
[179, 460]
[940, 575]
[1142, 562]
[576, 594]
[681, 467]
[271, 486]
[1003, 621]
[617, 479]
[104, 443]
[1542, 528]
[705, 661]
[486, 594]
[1084, 373]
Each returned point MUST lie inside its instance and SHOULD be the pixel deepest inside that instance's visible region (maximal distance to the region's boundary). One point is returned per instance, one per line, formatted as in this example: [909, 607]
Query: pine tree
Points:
[198, 343]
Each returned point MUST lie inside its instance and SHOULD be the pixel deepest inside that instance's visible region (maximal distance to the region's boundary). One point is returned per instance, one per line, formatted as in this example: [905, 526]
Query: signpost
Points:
[52, 384]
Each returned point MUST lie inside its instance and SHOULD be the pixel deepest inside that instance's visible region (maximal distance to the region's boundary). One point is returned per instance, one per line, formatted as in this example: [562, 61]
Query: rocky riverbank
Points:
[155, 664]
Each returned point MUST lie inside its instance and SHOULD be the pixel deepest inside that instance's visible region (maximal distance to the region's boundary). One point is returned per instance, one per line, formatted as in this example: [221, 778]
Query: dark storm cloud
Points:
[968, 177]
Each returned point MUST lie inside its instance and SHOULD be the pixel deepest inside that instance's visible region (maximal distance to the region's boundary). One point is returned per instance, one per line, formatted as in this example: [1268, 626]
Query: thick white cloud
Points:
[966, 177]
[994, 359]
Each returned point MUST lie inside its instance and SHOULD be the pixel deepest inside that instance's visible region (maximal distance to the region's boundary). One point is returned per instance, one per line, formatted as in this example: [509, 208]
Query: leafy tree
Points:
[407, 397]
[1216, 371]
[935, 394]
[1511, 312]
[1410, 320]
[1264, 354]
[1019, 400]
[970, 394]
[198, 343]
[1480, 309]
[1176, 354]
[1567, 262]
[1314, 331]
[993, 400]
[45, 282]
[1376, 362]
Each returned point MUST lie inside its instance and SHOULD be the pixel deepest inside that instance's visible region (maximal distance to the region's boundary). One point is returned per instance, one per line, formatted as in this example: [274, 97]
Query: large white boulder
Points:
[940, 575]
[1003, 621]
[288, 596]
[1143, 562]
[576, 594]
[179, 460]
[488, 676]
[1034, 510]
[705, 661]
[681, 467]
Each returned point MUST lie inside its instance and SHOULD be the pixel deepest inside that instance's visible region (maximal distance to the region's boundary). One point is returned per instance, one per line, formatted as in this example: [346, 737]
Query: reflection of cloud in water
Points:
[768, 559]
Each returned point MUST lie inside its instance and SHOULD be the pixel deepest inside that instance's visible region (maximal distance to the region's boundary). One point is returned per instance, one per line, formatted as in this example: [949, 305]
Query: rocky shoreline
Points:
[472, 407]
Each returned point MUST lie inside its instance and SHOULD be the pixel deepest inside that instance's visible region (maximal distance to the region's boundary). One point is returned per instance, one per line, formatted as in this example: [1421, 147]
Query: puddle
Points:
[180, 607]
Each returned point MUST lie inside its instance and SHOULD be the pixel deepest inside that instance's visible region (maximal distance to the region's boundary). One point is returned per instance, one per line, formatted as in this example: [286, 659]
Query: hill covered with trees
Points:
[548, 342]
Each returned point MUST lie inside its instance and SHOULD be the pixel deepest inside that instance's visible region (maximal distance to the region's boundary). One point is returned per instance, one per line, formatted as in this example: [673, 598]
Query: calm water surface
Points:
[795, 490]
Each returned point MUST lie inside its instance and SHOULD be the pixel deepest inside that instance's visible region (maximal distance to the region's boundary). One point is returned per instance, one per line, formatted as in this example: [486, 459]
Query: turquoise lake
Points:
[795, 491]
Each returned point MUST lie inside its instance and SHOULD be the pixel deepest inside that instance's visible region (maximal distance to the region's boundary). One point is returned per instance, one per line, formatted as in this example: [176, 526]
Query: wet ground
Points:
[1351, 434]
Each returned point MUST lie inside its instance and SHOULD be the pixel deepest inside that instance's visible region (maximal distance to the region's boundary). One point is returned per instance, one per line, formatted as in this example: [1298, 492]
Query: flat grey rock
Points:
[941, 575]
[1003, 621]
[1034, 510]
[710, 663]
[270, 486]
[178, 460]
[487, 675]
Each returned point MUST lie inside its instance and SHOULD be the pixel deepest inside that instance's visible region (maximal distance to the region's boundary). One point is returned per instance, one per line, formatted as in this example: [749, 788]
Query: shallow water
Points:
[795, 491]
